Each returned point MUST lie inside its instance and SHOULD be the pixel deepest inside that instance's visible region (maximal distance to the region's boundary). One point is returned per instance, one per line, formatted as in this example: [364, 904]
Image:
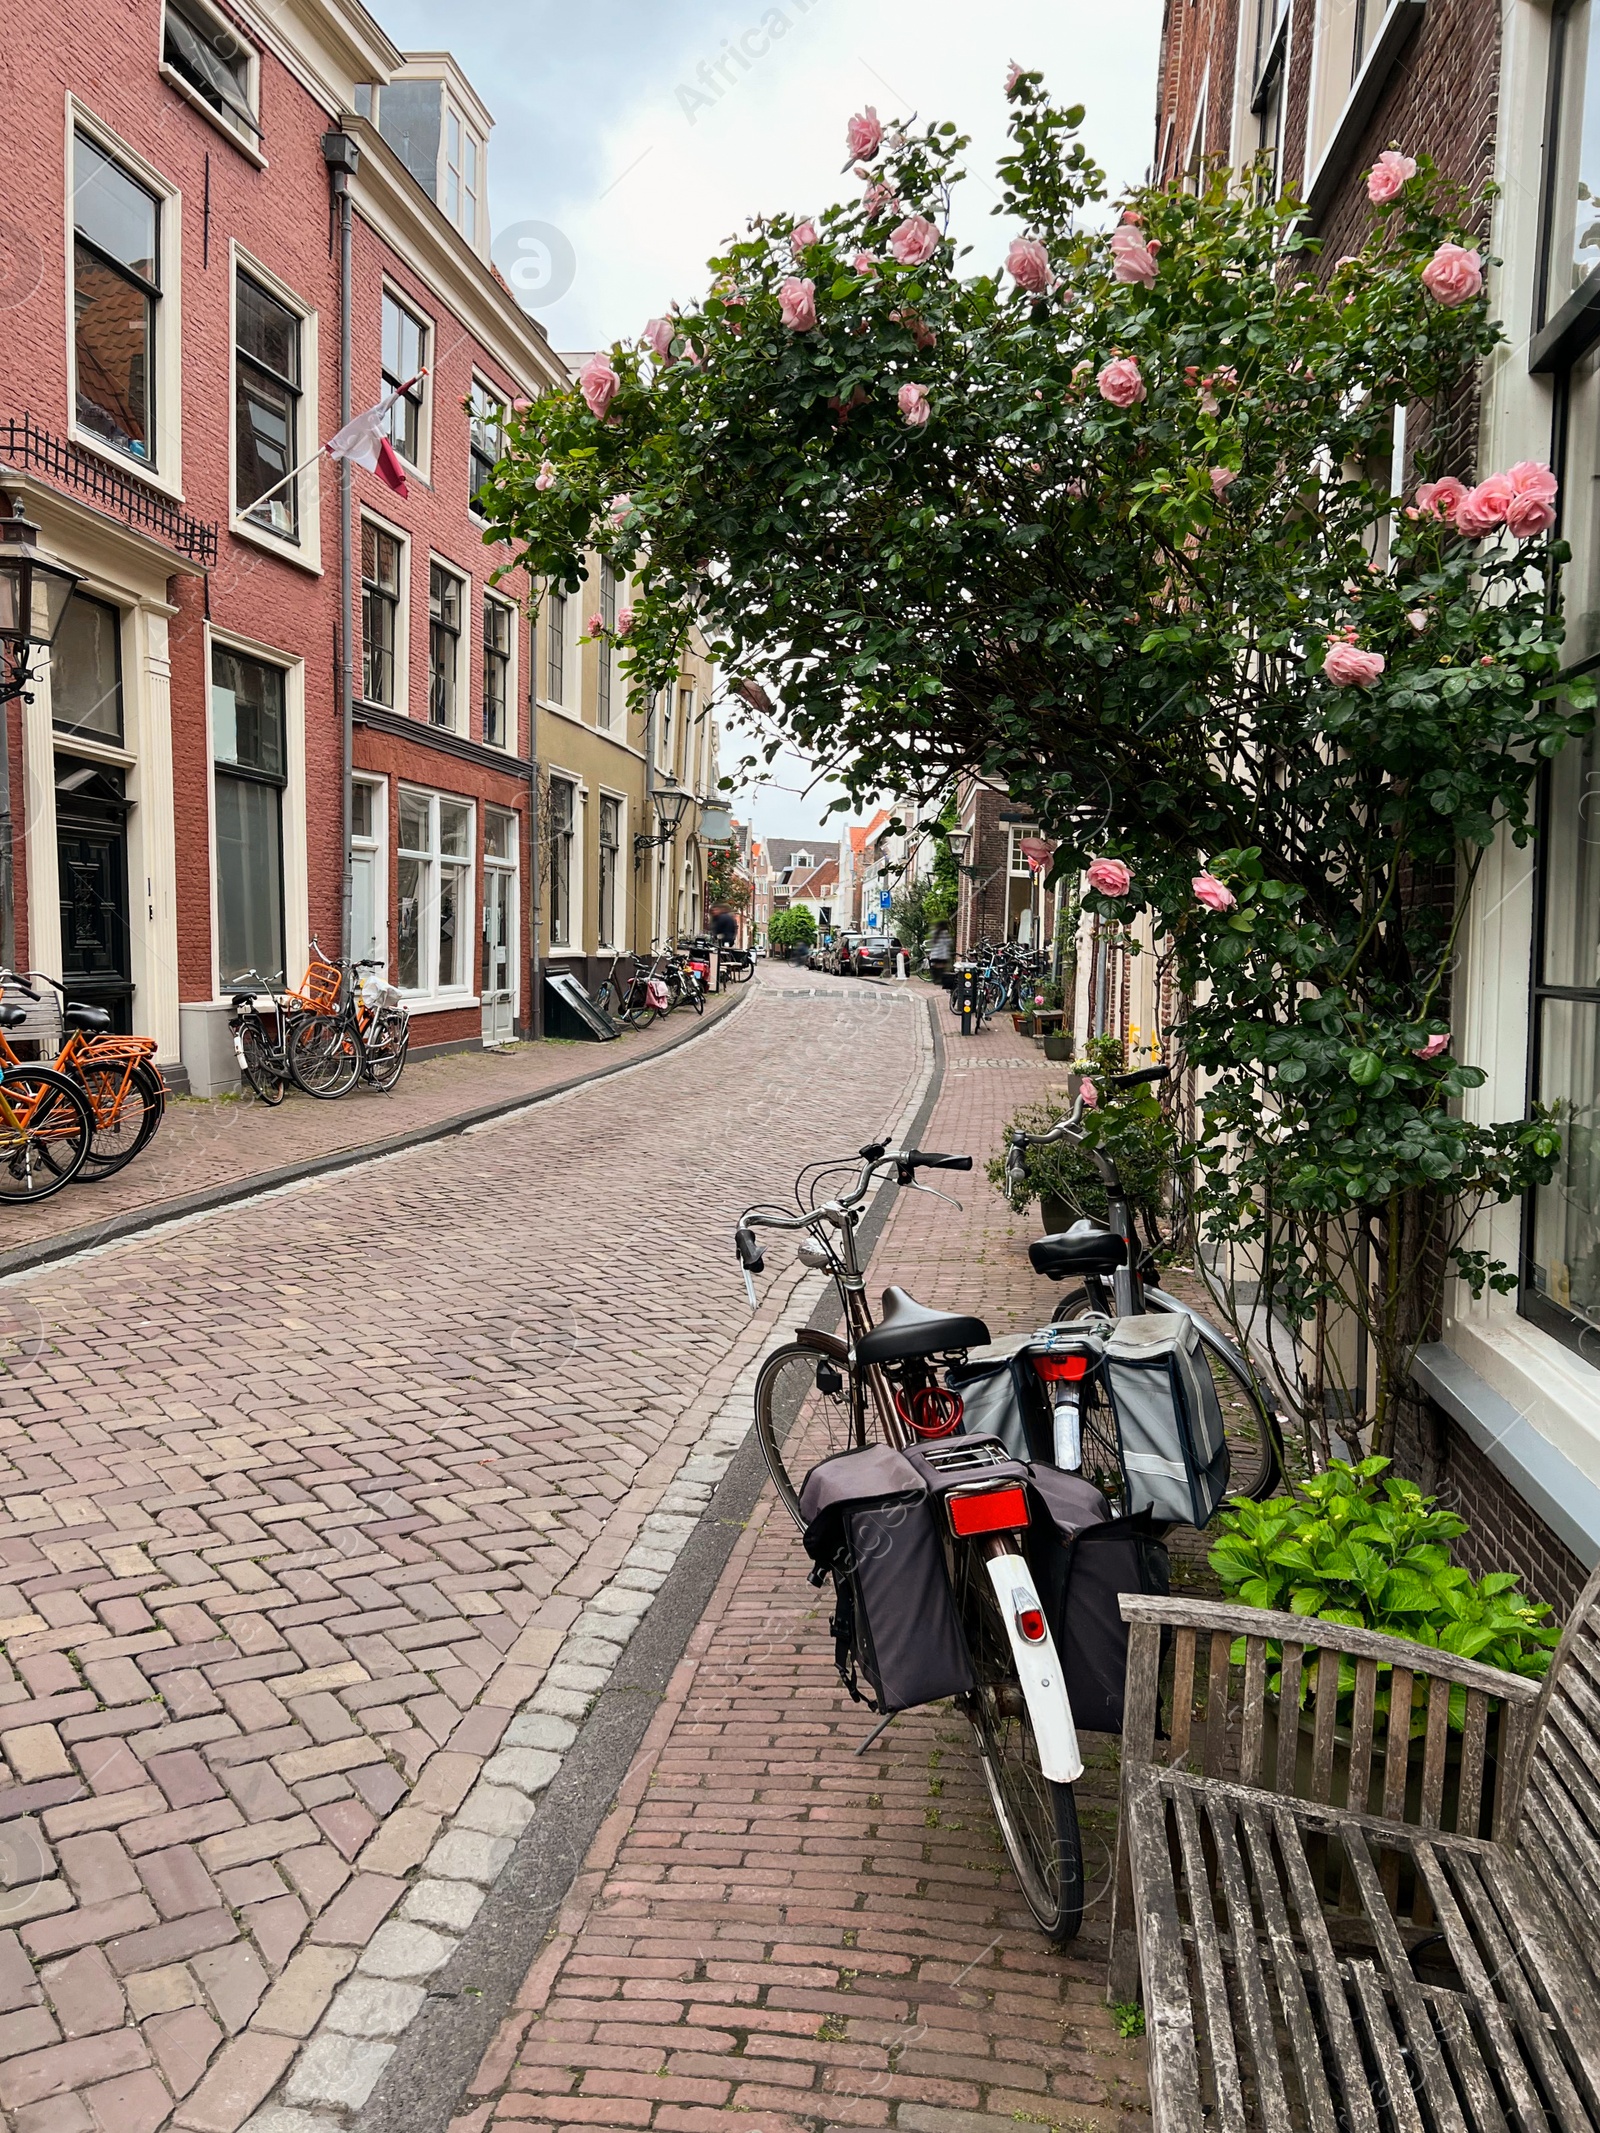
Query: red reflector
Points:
[1070, 1367]
[991, 1511]
[1031, 1624]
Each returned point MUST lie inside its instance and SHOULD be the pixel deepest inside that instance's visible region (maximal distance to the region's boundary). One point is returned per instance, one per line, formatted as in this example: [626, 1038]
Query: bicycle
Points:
[46, 1124]
[118, 1076]
[1114, 1273]
[383, 1026]
[830, 1395]
[627, 1000]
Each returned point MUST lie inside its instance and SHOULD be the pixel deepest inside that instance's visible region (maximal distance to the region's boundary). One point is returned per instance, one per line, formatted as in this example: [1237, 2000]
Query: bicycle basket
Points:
[320, 988]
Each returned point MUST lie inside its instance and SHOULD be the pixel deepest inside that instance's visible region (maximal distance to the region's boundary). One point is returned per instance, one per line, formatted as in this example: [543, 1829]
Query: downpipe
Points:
[1038, 1665]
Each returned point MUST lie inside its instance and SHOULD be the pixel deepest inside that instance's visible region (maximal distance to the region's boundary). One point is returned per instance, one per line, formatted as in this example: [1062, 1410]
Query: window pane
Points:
[556, 649]
[114, 212]
[411, 873]
[1573, 240]
[249, 878]
[1566, 1225]
[415, 823]
[499, 835]
[455, 828]
[247, 712]
[268, 331]
[363, 806]
[211, 60]
[114, 341]
[264, 424]
[86, 669]
[455, 900]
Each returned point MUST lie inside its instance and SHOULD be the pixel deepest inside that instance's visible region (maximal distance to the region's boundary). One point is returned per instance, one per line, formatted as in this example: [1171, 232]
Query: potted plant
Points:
[1131, 1127]
[795, 929]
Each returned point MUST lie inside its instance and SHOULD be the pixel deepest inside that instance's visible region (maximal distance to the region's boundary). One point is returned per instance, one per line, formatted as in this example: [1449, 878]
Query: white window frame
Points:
[429, 994]
[377, 846]
[1017, 866]
[292, 831]
[570, 703]
[449, 110]
[503, 400]
[509, 744]
[606, 941]
[462, 721]
[392, 292]
[573, 946]
[402, 620]
[166, 473]
[248, 144]
[513, 868]
[306, 552]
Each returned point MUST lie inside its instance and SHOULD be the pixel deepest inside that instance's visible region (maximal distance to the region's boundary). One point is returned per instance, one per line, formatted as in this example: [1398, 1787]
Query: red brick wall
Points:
[1198, 41]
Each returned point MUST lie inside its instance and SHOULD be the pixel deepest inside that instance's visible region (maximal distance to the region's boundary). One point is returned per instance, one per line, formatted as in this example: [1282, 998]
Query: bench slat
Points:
[1182, 1693]
[1322, 1737]
[1397, 2094]
[1478, 1904]
[1544, 1958]
[1288, 1719]
[1402, 1983]
[1208, 1964]
[1174, 2068]
[1286, 1971]
[1433, 1756]
[1252, 1724]
[1344, 2049]
[1217, 1705]
[1483, 2106]
[1272, 2097]
[1474, 1743]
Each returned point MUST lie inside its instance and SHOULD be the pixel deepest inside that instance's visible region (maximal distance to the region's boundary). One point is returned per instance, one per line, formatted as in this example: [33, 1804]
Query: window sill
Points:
[191, 95]
[562, 711]
[295, 552]
[135, 469]
[1333, 165]
[93, 749]
[438, 1003]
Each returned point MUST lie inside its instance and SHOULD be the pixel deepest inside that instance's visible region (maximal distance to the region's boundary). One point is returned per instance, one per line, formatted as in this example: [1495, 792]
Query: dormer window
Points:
[463, 160]
[212, 60]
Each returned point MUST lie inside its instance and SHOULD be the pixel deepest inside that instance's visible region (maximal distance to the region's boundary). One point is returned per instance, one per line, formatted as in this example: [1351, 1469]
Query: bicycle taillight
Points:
[1053, 1368]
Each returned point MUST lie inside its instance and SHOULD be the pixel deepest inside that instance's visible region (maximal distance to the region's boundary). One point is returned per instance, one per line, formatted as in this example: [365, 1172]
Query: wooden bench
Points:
[1347, 1926]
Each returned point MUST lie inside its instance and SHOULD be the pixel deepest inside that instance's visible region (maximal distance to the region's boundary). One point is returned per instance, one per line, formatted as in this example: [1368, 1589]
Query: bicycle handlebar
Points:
[875, 1156]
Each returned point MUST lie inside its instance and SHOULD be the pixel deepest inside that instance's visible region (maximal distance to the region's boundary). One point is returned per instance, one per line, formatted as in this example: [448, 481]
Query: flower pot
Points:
[1055, 1214]
[1058, 1048]
[1024, 1025]
[1016, 1021]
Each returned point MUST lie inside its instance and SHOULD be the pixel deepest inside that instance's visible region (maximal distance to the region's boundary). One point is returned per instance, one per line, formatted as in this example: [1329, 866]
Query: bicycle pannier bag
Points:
[657, 995]
[1174, 1452]
[1003, 1397]
[1084, 1560]
[871, 1522]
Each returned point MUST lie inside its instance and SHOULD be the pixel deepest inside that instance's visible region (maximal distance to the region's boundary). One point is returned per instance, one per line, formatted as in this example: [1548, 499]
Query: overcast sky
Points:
[621, 158]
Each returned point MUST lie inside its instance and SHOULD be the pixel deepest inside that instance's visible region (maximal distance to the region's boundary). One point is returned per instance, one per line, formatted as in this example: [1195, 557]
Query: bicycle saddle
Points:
[12, 1013]
[1083, 1249]
[77, 1016]
[908, 1328]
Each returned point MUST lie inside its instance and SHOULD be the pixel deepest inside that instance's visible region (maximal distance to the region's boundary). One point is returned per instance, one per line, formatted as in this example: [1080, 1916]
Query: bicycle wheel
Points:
[696, 995]
[1038, 1817]
[46, 1127]
[1255, 1442]
[384, 1047]
[124, 1117]
[261, 1065]
[802, 1413]
[637, 1011]
[324, 1053]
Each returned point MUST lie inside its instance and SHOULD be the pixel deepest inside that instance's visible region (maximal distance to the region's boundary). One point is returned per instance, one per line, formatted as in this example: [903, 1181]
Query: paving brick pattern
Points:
[203, 1144]
[323, 1518]
[769, 1925]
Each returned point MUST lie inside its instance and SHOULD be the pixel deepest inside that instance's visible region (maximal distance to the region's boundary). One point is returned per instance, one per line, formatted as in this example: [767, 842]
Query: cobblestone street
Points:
[326, 1515]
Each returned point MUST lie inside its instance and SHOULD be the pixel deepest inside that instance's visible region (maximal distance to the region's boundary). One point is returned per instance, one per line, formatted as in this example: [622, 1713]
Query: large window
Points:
[210, 58]
[249, 749]
[563, 821]
[266, 409]
[1562, 1289]
[610, 868]
[405, 343]
[608, 620]
[116, 287]
[1571, 239]
[486, 417]
[380, 613]
[497, 619]
[664, 726]
[1266, 96]
[445, 592]
[555, 648]
[435, 893]
[86, 671]
[463, 160]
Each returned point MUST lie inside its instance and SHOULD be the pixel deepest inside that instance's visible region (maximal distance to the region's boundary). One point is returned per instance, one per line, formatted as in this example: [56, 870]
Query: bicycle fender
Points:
[1038, 1671]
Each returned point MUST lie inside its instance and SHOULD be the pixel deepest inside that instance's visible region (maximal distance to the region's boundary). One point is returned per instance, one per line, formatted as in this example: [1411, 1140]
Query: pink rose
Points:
[1109, 876]
[1438, 499]
[1453, 275]
[1013, 76]
[598, 383]
[597, 625]
[1214, 894]
[546, 476]
[797, 302]
[1220, 478]
[657, 337]
[1348, 667]
[864, 136]
[1418, 618]
[1437, 1043]
[801, 235]
[624, 621]
[879, 199]
[1120, 382]
[1529, 516]
[1388, 174]
[1531, 477]
[1038, 999]
[914, 241]
[1132, 260]
[1028, 264]
[1484, 508]
[913, 401]
[618, 508]
[1089, 1093]
[864, 263]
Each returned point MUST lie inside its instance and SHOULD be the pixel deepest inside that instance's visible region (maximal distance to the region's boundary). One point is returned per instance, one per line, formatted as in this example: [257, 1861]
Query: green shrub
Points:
[1131, 1128]
[792, 927]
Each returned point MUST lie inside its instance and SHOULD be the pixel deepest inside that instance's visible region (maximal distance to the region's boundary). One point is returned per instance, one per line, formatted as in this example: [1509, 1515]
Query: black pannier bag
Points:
[1174, 1452]
[1004, 1397]
[1083, 1560]
[871, 1522]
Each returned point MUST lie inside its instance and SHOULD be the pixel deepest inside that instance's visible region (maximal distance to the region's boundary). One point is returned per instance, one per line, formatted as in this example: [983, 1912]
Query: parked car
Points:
[870, 956]
[817, 956]
[841, 954]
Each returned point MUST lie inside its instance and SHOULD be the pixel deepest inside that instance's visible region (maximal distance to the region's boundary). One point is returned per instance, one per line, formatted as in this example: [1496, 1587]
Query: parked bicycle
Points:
[117, 1075]
[636, 999]
[46, 1124]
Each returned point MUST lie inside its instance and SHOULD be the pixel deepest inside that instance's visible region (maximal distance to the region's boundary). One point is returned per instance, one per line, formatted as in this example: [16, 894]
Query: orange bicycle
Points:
[46, 1124]
[117, 1076]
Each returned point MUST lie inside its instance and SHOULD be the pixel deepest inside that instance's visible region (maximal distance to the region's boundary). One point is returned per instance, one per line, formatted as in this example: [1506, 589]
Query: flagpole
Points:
[283, 481]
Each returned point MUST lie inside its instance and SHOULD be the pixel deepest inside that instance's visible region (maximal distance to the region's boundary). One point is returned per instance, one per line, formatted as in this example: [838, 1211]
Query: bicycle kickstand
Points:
[877, 1732]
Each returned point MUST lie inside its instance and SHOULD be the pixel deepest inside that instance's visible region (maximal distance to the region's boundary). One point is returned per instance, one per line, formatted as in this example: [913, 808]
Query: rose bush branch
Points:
[1106, 515]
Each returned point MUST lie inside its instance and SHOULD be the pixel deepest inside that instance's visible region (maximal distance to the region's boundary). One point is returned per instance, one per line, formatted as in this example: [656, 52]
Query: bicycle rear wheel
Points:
[262, 1066]
[1037, 1817]
[46, 1127]
[124, 1117]
[803, 1413]
[384, 1047]
[324, 1053]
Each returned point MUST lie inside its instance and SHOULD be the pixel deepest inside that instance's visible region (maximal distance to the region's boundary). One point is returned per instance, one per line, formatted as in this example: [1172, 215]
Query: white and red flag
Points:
[364, 441]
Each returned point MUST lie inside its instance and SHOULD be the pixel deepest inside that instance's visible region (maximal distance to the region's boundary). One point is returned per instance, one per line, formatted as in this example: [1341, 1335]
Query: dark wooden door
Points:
[92, 868]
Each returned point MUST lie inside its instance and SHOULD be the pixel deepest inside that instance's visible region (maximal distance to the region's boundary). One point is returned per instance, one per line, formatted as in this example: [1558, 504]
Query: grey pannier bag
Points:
[1169, 1418]
[872, 1523]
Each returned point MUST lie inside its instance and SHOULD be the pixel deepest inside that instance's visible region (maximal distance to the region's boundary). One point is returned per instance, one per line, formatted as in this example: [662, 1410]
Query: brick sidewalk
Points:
[201, 1145]
[768, 1924]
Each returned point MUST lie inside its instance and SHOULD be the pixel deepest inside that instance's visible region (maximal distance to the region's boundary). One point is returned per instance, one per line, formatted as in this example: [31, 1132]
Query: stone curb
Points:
[23, 1258]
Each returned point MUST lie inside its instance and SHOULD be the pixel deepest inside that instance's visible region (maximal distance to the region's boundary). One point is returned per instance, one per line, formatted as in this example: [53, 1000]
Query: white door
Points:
[499, 936]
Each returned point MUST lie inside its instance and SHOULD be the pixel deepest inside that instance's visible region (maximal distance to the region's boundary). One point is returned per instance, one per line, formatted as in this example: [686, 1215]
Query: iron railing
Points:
[25, 448]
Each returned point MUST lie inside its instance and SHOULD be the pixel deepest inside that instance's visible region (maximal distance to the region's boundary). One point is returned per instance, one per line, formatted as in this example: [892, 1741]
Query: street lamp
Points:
[958, 840]
[33, 603]
[671, 804]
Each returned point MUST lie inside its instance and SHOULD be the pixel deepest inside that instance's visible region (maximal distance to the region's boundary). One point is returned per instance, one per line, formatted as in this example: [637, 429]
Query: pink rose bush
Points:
[1214, 894]
[913, 403]
[657, 337]
[864, 136]
[797, 304]
[1438, 499]
[1089, 1093]
[1028, 264]
[1348, 667]
[1120, 382]
[1482, 509]
[1454, 275]
[1109, 876]
[598, 383]
[1132, 258]
[1522, 499]
[625, 622]
[803, 234]
[618, 508]
[864, 263]
[1221, 477]
[1439, 1042]
[546, 476]
[1388, 174]
[879, 199]
[1013, 76]
[914, 241]
[597, 624]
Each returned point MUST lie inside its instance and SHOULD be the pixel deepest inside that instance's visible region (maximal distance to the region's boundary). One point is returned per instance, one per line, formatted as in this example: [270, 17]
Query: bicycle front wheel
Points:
[802, 1413]
[1037, 1816]
[324, 1055]
[262, 1066]
[46, 1128]
[385, 1046]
